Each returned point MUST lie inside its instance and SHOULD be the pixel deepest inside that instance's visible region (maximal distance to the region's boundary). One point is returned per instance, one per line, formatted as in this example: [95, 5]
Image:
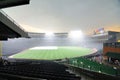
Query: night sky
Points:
[66, 15]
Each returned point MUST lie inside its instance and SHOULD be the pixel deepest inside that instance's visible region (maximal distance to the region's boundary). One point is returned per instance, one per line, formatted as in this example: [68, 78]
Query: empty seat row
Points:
[46, 70]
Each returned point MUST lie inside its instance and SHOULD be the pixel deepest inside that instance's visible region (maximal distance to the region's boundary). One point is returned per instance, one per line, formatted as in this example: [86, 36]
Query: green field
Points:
[52, 54]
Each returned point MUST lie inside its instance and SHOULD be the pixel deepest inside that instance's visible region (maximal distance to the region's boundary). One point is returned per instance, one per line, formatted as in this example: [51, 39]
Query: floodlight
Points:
[49, 34]
[76, 34]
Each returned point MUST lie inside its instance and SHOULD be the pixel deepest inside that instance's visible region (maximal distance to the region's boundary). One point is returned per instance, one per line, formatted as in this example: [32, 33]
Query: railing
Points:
[1, 11]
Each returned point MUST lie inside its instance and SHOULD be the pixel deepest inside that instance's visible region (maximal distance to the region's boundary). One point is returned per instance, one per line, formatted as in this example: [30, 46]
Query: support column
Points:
[0, 48]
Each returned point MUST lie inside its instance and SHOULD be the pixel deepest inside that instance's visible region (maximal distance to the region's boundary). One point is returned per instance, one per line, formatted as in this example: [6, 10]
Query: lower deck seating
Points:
[45, 69]
[94, 66]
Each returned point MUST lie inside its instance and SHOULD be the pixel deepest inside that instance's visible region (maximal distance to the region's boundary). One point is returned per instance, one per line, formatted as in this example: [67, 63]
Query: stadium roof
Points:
[10, 3]
[8, 27]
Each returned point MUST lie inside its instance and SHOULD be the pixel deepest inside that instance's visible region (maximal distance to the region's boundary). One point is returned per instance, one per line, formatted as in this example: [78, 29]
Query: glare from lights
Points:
[49, 34]
[76, 34]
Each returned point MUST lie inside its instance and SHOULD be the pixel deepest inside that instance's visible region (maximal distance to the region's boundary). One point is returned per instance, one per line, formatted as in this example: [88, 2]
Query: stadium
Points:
[63, 54]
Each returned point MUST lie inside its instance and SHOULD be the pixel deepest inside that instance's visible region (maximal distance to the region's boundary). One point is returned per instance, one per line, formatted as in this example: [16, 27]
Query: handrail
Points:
[11, 19]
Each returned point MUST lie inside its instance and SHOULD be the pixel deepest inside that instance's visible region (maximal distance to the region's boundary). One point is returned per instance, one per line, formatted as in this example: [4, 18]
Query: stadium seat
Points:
[93, 66]
[45, 69]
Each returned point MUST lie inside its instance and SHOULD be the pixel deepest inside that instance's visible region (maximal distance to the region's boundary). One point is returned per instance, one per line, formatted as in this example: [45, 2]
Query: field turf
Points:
[52, 54]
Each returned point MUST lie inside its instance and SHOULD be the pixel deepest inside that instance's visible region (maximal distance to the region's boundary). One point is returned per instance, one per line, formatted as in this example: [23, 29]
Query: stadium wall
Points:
[111, 47]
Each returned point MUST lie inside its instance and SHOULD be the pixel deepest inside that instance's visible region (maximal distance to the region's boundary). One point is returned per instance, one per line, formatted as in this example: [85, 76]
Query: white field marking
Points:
[45, 48]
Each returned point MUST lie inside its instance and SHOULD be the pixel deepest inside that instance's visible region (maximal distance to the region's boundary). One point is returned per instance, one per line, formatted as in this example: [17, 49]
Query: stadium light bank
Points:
[78, 34]
[49, 34]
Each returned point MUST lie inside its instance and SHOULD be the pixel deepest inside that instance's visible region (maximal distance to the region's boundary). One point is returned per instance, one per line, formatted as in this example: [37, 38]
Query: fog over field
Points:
[13, 46]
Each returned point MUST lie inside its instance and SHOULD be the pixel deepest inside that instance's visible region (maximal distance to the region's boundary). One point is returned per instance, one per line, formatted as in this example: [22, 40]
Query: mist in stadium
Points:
[59, 40]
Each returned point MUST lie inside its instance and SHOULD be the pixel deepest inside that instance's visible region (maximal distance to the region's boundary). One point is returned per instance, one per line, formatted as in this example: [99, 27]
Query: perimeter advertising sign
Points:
[99, 31]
